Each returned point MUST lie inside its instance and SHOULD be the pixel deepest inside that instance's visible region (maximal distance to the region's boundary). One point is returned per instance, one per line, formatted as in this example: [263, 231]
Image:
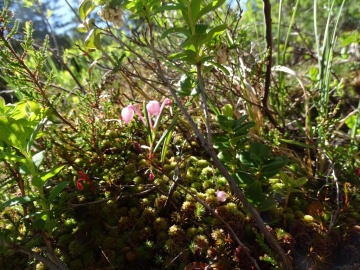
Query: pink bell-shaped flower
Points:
[127, 114]
[153, 107]
[221, 196]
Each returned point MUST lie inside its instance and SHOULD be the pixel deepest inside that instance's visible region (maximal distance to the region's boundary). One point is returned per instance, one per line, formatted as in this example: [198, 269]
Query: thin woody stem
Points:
[234, 187]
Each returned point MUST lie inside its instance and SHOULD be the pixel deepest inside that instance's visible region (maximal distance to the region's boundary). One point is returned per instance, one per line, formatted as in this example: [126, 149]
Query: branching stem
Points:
[234, 187]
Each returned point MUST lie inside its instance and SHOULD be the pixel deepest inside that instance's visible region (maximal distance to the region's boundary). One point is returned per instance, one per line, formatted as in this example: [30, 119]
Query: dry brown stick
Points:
[268, 63]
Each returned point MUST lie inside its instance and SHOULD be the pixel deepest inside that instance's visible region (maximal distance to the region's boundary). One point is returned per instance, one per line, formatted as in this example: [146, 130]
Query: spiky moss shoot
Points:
[219, 237]
[160, 202]
[161, 238]
[138, 180]
[146, 202]
[207, 184]
[134, 212]
[160, 181]
[143, 163]
[176, 232]
[221, 181]
[146, 232]
[109, 208]
[170, 166]
[75, 248]
[207, 173]
[70, 223]
[125, 223]
[196, 185]
[173, 246]
[190, 176]
[202, 163]
[188, 207]
[149, 214]
[276, 213]
[199, 211]
[191, 232]
[212, 200]
[129, 169]
[201, 242]
[81, 198]
[64, 240]
[160, 224]
[40, 266]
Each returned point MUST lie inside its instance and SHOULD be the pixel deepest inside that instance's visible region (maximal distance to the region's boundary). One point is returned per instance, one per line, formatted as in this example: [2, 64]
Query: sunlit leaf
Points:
[86, 6]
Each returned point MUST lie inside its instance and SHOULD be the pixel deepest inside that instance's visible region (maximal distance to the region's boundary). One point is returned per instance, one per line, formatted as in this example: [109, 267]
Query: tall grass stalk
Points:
[325, 57]
[281, 54]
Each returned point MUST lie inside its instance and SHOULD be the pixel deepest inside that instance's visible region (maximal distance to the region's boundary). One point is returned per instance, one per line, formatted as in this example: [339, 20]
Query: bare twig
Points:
[268, 63]
[204, 104]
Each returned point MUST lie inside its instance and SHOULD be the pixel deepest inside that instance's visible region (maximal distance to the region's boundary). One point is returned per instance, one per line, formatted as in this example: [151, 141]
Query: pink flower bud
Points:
[151, 176]
[153, 107]
[168, 101]
[127, 114]
[221, 196]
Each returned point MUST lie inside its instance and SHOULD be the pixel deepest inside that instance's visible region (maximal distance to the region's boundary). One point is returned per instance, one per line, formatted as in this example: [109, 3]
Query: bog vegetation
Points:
[185, 134]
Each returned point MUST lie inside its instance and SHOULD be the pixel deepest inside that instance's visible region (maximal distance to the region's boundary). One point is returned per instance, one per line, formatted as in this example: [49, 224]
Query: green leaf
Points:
[40, 179]
[86, 6]
[92, 40]
[180, 30]
[254, 192]
[201, 28]
[187, 55]
[166, 133]
[186, 84]
[220, 67]
[214, 33]
[12, 133]
[225, 156]
[297, 143]
[273, 166]
[225, 122]
[267, 205]
[240, 121]
[221, 141]
[38, 158]
[260, 150]
[56, 190]
[2, 105]
[11, 157]
[34, 134]
[194, 11]
[244, 128]
[168, 7]
[210, 7]
[243, 178]
[227, 110]
[18, 200]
